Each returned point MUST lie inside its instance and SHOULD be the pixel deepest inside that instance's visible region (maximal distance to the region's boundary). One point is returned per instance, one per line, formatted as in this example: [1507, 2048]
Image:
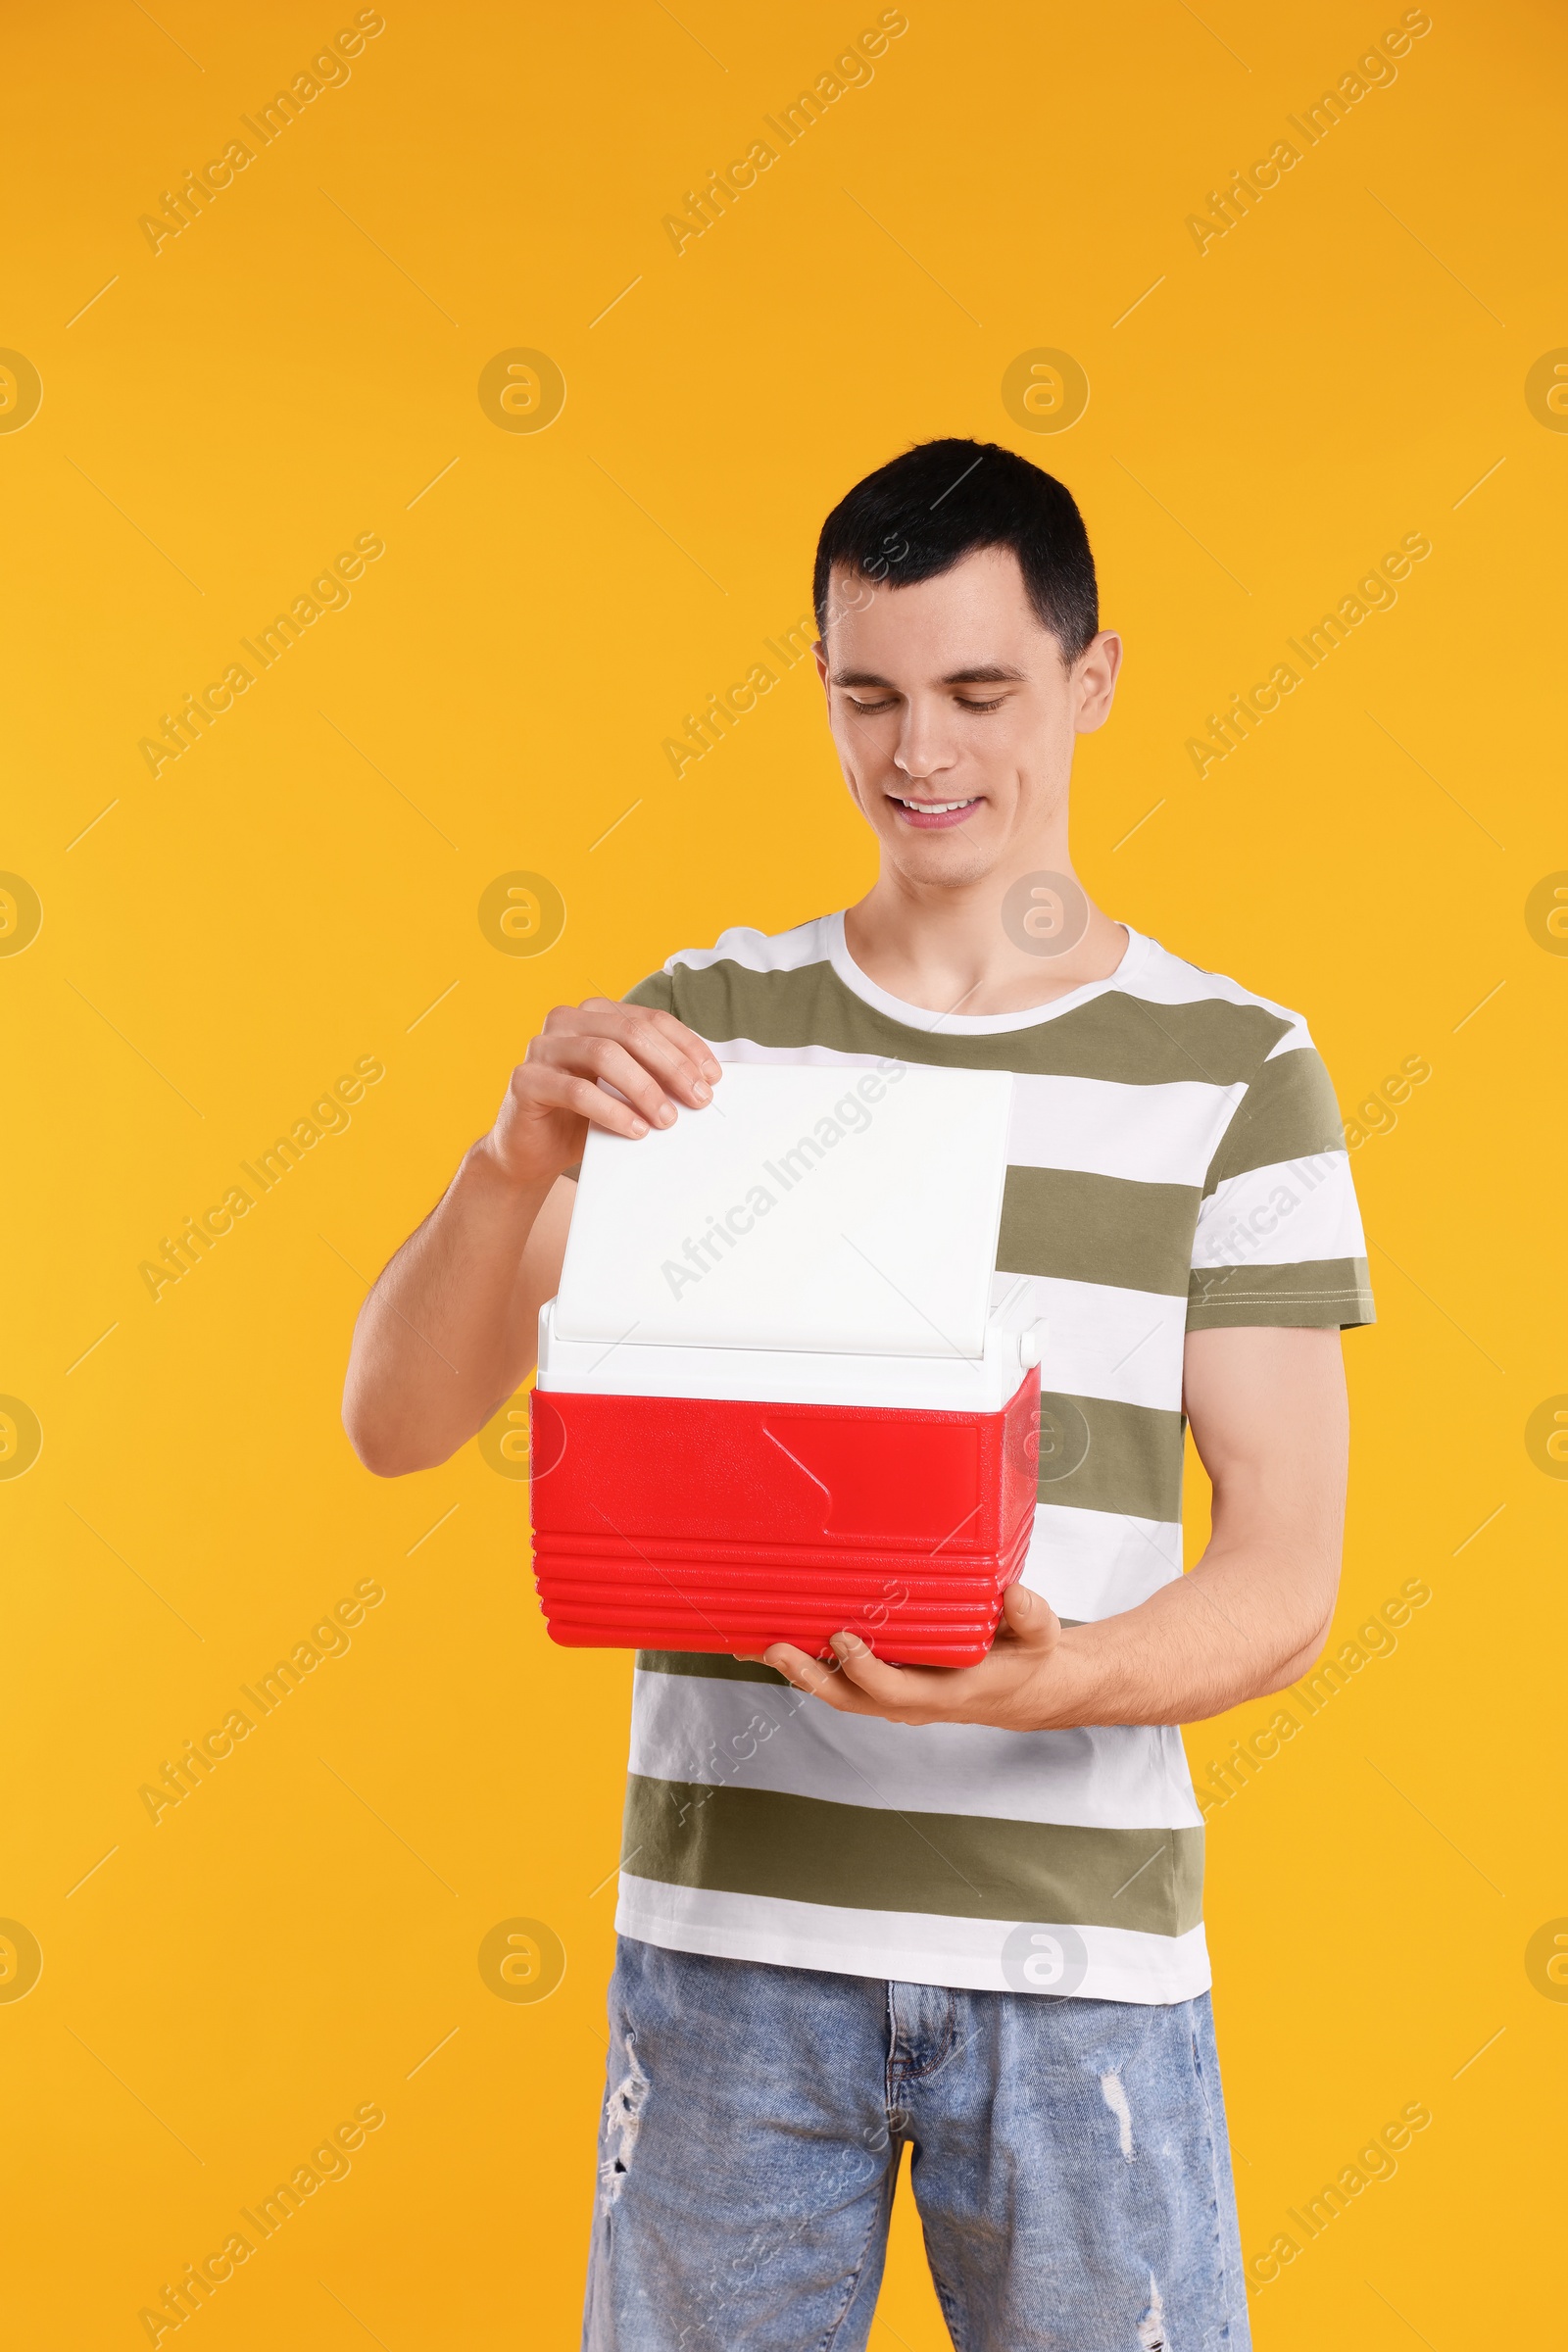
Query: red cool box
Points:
[776, 1396]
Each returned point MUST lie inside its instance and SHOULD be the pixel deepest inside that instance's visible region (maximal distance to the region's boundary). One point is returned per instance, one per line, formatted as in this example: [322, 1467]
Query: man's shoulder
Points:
[1216, 1000]
[753, 950]
[750, 982]
[776, 988]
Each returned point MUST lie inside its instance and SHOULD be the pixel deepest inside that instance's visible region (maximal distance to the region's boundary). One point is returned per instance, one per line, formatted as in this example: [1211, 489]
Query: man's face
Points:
[954, 716]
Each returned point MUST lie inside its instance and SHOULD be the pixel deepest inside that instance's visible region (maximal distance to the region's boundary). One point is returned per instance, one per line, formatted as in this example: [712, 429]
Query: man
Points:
[982, 1936]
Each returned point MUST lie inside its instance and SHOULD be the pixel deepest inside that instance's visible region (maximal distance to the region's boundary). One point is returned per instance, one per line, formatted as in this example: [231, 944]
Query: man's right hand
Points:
[559, 1088]
[451, 1328]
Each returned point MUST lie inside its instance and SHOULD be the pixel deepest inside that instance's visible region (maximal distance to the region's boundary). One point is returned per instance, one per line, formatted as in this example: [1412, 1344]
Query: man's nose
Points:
[924, 745]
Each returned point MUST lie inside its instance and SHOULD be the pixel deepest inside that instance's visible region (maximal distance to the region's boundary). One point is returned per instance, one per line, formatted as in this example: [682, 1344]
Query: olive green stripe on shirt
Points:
[1315, 1292]
[713, 1666]
[1104, 1229]
[1116, 1036]
[1100, 1455]
[806, 1849]
[1287, 1112]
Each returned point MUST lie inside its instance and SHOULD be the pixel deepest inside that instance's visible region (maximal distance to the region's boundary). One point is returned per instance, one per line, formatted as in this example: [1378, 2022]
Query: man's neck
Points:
[1013, 941]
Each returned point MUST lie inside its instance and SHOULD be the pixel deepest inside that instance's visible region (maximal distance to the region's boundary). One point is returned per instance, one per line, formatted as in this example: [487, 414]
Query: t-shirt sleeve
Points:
[1279, 1235]
[658, 992]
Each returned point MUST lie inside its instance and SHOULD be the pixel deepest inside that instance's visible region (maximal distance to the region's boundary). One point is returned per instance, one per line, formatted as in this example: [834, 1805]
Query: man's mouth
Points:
[928, 816]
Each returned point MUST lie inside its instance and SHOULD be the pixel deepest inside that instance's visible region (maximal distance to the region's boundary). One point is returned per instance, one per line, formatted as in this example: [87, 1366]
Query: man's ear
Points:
[1094, 675]
[820, 651]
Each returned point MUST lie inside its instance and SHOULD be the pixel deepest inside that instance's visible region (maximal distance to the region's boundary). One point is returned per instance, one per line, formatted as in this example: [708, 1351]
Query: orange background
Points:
[300, 890]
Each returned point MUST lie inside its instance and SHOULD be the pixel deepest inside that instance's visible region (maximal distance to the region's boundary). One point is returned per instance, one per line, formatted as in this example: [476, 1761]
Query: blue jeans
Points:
[1068, 2160]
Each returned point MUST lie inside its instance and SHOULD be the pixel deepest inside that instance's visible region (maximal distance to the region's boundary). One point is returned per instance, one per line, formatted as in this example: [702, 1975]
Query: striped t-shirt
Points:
[1176, 1163]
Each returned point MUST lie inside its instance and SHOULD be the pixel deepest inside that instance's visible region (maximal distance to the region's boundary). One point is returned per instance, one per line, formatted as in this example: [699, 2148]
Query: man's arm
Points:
[1268, 1415]
[450, 1327]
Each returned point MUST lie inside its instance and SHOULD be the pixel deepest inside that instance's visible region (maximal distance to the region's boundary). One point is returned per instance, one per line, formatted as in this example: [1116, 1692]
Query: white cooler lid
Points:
[835, 1209]
[936, 1383]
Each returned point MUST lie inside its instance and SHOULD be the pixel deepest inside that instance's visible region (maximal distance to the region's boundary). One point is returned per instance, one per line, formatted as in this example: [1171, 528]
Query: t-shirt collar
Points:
[981, 1024]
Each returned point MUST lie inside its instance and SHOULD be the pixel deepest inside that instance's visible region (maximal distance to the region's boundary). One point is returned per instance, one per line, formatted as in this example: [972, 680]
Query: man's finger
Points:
[891, 1686]
[806, 1674]
[684, 1064]
[819, 1681]
[1028, 1617]
[696, 1049]
[608, 1064]
[550, 1089]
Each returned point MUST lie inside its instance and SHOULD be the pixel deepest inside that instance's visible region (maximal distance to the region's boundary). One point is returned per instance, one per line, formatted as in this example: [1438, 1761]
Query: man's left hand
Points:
[1010, 1687]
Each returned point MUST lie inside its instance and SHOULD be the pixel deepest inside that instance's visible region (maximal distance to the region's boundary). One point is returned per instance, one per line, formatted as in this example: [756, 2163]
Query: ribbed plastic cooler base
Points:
[714, 1524]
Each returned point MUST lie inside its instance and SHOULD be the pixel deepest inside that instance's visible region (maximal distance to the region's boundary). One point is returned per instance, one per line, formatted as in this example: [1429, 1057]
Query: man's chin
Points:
[955, 859]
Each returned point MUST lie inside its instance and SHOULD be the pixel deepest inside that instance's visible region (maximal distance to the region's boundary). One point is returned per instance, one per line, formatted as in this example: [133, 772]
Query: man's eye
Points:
[868, 709]
[995, 705]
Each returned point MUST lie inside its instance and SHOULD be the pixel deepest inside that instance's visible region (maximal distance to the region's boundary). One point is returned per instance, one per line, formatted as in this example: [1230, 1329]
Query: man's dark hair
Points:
[922, 512]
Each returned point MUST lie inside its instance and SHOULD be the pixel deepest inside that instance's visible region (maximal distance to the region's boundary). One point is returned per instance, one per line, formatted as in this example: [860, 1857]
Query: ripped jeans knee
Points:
[624, 2115]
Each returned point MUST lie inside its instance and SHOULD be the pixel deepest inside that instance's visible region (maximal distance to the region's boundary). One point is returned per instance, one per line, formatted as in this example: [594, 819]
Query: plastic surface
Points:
[776, 1398]
[725, 1524]
[841, 1209]
[793, 1376]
